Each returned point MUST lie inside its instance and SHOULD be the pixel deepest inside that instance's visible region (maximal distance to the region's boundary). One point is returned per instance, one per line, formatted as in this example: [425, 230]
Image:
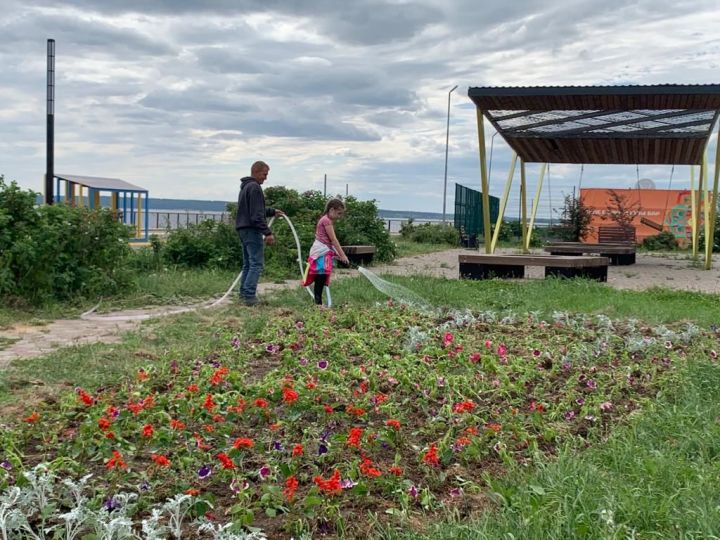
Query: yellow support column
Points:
[710, 238]
[96, 201]
[698, 206]
[523, 207]
[70, 194]
[503, 202]
[484, 182]
[80, 195]
[535, 204]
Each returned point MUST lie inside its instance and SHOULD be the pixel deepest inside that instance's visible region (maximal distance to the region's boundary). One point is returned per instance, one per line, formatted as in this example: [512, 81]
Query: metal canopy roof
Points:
[663, 124]
[96, 182]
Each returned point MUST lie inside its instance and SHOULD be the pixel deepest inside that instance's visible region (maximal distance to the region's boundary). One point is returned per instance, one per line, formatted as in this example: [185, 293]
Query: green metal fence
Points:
[469, 214]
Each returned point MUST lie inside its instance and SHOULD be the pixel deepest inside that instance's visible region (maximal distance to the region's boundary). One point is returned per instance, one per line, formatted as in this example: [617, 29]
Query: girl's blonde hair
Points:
[336, 204]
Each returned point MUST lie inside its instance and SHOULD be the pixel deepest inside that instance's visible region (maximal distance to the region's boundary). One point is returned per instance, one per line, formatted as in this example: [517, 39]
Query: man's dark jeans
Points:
[253, 245]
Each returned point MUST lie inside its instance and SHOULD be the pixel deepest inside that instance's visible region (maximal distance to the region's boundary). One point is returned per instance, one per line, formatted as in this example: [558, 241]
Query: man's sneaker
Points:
[252, 301]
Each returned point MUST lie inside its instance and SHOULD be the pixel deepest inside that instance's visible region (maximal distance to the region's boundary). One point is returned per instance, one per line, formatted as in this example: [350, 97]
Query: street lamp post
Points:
[447, 141]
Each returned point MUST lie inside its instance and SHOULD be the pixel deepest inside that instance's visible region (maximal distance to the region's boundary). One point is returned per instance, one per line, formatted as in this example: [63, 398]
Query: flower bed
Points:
[330, 415]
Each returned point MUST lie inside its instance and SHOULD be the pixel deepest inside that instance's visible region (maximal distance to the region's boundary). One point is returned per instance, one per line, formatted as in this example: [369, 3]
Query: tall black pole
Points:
[50, 138]
[447, 141]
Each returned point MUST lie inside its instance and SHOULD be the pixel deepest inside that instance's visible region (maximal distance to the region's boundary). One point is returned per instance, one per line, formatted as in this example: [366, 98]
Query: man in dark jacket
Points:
[252, 227]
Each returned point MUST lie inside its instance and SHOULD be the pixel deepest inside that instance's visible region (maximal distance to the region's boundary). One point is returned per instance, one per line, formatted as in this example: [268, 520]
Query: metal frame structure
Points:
[654, 124]
[130, 203]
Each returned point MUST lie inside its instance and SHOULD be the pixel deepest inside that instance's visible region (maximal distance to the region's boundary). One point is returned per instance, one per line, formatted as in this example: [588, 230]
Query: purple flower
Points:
[580, 401]
[569, 415]
[591, 384]
[6, 465]
[322, 364]
[235, 342]
[277, 445]
[174, 366]
[264, 472]
[204, 471]
[144, 486]
[567, 366]
[590, 418]
[536, 353]
[456, 492]
[299, 325]
[606, 406]
[347, 484]
[322, 449]
[303, 361]
[272, 349]
[237, 485]
[111, 504]
[413, 492]
[441, 381]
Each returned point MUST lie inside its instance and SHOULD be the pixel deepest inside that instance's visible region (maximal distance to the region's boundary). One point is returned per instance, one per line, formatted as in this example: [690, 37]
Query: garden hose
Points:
[90, 316]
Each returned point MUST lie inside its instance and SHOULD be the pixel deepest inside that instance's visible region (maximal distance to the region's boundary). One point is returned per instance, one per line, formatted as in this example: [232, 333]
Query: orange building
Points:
[658, 210]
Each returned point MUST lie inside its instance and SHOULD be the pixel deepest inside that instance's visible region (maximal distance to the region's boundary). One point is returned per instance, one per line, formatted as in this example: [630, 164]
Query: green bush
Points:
[209, 243]
[665, 241]
[430, 233]
[58, 252]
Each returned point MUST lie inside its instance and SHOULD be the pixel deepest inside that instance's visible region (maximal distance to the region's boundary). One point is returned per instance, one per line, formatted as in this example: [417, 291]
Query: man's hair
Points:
[334, 204]
[258, 166]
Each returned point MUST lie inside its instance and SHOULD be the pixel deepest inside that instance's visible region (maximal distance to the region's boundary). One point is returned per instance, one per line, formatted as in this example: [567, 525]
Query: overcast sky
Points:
[182, 96]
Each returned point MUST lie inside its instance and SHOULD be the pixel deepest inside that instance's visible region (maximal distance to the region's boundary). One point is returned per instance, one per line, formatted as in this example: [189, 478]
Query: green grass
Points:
[545, 296]
[406, 248]
[656, 477]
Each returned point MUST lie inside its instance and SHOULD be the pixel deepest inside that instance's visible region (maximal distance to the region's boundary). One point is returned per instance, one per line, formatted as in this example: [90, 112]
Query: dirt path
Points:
[26, 341]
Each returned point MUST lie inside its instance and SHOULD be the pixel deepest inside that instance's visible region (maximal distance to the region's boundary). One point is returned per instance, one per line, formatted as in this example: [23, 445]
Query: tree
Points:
[621, 211]
[575, 219]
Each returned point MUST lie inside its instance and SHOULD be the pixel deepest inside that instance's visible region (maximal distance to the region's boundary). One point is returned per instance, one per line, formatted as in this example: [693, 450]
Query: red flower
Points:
[431, 456]
[242, 442]
[209, 404]
[355, 411]
[447, 339]
[354, 437]
[86, 398]
[142, 375]
[297, 450]
[290, 395]
[227, 463]
[464, 406]
[395, 424]
[239, 408]
[536, 407]
[366, 467]
[34, 417]
[291, 485]
[193, 388]
[193, 492]
[147, 431]
[397, 471]
[116, 461]
[109, 435]
[260, 402]
[492, 426]
[331, 486]
[177, 424]
[475, 357]
[328, 409]
[161, 460]
[202, 445]
[104, 423]
[218, 376]
[135, 408]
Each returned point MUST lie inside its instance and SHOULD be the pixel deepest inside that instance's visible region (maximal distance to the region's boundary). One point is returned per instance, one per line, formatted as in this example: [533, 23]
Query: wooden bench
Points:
[616, 235]
[359, 255]
[619, 254]
[484, 266]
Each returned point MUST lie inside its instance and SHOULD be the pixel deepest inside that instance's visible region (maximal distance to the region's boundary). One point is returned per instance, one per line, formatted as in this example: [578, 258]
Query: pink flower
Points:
[606, 406]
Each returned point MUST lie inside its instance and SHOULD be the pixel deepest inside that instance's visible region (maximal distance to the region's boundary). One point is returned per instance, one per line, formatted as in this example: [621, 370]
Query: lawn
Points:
[502, 412]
